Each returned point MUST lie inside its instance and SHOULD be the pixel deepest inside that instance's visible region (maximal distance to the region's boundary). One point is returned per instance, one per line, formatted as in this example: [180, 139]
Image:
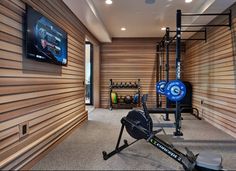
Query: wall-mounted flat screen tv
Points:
[45, 41]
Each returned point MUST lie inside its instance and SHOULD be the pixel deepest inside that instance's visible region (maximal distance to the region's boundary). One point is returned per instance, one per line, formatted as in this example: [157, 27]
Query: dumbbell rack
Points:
[112, 86]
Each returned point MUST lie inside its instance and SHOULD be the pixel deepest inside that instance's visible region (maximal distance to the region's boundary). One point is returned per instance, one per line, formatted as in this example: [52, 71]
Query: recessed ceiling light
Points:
[109, 2]
[123, 28]
[163, 28]
[188, 1]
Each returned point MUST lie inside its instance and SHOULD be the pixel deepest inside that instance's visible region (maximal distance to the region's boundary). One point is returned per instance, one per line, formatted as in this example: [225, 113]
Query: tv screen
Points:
[45, 41]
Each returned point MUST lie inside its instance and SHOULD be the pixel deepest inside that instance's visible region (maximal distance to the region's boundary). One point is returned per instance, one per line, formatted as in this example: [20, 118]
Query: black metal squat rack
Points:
[165, 42]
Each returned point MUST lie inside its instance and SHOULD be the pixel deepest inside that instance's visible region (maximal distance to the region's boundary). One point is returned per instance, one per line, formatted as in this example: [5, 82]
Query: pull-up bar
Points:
[189, 31]
[208, 25]
[229, 14]
[166, 39]
[206, 14]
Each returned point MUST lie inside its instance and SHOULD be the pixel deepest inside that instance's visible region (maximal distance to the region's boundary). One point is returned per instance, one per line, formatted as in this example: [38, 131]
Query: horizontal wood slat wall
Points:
[127, 59]
[50, 98]
[211, 68]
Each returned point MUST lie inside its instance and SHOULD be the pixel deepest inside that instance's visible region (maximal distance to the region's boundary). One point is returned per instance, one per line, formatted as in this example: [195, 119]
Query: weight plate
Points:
[175, 90]
[160, 87]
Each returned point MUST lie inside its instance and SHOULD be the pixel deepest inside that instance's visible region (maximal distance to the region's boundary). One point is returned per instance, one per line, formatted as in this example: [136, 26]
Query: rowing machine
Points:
[138, 124]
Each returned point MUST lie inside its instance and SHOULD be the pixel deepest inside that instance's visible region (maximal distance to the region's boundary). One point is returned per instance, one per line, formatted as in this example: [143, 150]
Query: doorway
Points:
[88, 73]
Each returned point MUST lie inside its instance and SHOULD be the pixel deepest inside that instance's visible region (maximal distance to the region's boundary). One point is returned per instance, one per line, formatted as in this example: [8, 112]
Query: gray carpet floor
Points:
[82, 150]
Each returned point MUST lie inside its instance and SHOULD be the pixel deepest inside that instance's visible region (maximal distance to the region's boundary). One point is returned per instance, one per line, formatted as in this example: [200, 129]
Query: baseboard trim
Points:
[28, 165]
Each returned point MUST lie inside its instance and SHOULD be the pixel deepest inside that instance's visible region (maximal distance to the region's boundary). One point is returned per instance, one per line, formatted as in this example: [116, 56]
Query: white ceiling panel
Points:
[139, 18]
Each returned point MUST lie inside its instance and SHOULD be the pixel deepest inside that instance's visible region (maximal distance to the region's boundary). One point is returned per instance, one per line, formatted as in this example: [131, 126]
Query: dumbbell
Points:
[130, 85]
[121, 85]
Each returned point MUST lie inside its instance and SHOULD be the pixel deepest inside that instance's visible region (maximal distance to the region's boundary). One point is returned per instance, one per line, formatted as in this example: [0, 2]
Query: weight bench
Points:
[162, 110]
[167, 124]
[183, 109]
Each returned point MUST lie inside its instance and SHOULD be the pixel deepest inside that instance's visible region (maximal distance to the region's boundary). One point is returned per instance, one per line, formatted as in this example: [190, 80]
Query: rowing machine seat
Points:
[209, 161]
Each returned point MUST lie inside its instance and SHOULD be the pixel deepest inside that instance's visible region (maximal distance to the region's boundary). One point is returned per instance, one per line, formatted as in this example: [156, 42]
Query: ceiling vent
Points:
[150, 1]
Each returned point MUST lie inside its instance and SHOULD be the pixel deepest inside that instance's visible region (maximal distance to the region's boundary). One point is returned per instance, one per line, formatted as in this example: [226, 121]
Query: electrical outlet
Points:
[23, 129]
[202, 102]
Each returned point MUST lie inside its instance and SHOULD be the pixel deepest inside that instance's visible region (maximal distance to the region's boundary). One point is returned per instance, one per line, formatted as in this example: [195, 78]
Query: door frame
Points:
[91, 72]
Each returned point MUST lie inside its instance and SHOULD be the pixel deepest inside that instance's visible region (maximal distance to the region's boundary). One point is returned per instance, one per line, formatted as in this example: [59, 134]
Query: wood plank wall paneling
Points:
[49, 97]
[129, 60]
[211, 68]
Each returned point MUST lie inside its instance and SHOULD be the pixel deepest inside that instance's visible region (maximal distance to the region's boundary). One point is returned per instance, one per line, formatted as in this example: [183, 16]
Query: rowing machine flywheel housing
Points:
[138, 118]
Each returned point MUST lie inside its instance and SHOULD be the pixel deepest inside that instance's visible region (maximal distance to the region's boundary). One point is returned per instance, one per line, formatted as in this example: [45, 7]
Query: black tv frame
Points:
[27, 39]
